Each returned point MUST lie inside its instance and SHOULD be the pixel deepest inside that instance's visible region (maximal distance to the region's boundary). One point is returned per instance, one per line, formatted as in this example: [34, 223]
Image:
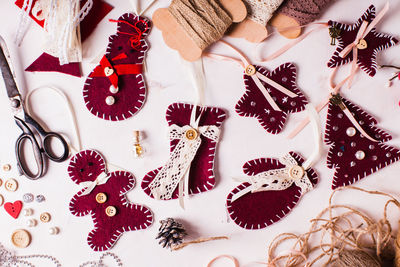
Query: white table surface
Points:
[243, 139]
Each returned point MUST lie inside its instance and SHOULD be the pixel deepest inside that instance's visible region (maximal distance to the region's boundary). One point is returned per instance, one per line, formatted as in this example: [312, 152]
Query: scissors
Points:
[32, 131]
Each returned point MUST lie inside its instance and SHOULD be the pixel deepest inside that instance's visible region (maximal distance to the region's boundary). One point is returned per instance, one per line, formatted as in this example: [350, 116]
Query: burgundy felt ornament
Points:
[104, 198]
[274, 188]
[194, 133]
[271, 114]
[357, 147]
[367, 47]
[115, 89]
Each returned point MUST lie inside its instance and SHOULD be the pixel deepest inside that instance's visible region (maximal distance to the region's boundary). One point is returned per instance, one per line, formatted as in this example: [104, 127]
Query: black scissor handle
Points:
[47, 147]
[37, 155]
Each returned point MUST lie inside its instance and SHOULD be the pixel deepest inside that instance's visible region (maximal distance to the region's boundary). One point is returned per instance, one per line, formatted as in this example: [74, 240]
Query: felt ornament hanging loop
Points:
[269, 96]
[280, 183]
[189, 26]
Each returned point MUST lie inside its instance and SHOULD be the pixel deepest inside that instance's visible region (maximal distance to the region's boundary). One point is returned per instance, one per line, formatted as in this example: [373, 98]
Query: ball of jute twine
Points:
[351, 238]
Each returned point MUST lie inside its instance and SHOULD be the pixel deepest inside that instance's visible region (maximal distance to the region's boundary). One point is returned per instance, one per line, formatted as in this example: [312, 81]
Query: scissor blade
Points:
[9, 81]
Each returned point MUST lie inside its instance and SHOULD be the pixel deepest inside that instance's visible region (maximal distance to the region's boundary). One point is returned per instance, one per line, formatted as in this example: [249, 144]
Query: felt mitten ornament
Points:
[115, 90]
[357, 147]
[104, 198]
[194, 133]
[360, 43]
[273, 186]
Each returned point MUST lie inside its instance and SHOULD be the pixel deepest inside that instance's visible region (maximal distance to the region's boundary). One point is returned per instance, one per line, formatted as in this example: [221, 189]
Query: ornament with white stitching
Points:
[103, 196]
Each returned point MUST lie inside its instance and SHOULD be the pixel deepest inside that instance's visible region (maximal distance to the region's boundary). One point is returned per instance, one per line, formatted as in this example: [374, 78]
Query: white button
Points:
[113, 90]
[110, 100]
[296, 172]
[108, 71]
[11, 185]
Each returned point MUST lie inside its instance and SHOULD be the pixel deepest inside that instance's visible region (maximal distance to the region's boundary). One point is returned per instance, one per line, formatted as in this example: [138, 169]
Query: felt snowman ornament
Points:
[115, 90]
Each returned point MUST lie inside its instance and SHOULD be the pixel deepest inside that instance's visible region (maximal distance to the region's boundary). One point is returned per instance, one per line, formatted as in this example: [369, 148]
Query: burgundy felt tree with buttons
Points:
[352, 154]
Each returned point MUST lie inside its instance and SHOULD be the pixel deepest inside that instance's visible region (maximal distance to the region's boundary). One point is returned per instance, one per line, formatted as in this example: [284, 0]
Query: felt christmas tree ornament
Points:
[104, 198]
[269, 95]
[194, 133]
[360, 43]
[357, 147]
[295, 13]
[253, 28]
[190, 26]
[273, 186]
[115, 90]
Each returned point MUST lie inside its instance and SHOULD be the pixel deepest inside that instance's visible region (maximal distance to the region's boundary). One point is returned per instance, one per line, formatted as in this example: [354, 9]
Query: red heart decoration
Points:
[13, 208]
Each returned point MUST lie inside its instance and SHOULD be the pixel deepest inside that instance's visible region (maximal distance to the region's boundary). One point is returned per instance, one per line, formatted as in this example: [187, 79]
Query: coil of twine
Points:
[205, 21]
[347, 237]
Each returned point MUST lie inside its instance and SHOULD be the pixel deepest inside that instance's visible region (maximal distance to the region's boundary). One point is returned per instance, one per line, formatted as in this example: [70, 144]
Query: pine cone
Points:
[171, 233]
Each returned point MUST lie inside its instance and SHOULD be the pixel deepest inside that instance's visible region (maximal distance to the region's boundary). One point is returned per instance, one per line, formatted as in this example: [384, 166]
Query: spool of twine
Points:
[397, 249]
[204, 21]
[303, 11]
[261, 11]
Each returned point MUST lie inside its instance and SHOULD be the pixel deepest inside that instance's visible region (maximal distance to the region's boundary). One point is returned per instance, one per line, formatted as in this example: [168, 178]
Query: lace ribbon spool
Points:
[261, 11]
[205, 21]
[281, 179]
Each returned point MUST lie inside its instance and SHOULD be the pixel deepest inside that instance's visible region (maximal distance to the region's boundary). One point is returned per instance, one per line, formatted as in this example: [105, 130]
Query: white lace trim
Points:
[277, 179]
[261, 11]
[63, 37]
[168, 178]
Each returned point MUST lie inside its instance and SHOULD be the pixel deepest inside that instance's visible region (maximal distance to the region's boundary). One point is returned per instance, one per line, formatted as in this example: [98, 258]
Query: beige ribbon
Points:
[90, 185]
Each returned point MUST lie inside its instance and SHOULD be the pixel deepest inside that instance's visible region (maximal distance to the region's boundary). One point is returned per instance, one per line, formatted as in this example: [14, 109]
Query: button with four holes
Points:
[250, 70]
[191, 134]
[296, 172]
[45, 217]
[101, 198]
[6, 167]
[11, 185]
[21, 238]
[111, 211]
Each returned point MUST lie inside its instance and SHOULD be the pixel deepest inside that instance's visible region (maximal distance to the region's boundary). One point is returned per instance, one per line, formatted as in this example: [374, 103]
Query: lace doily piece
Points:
[261, 11]
[168, 178]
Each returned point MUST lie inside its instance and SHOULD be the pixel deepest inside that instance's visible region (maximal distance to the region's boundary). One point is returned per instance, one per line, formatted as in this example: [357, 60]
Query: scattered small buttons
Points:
[31, 223]
[40, 198]
[45, 217]
[28, 197]
[351, 131]
[21, 238]
[28, 212]
[101, 198]
[360, 155]
[6, 167]
[1, 200]
[54, 230]
[111, 211]
[11, 185]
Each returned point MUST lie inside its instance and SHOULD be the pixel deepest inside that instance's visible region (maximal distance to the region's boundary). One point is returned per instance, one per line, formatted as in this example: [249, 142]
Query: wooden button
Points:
[296, 172]
[21, 238]
[108, 71]
[362, 44]
[6, 167]
[45, 217]
[1, 181]
[101, 198]
[250, 70]
[111, 211]
[191, 134]
[11, 185]
[1, 200]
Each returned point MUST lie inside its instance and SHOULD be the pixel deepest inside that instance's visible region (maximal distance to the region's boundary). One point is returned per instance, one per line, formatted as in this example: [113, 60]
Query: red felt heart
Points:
[13, 208]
